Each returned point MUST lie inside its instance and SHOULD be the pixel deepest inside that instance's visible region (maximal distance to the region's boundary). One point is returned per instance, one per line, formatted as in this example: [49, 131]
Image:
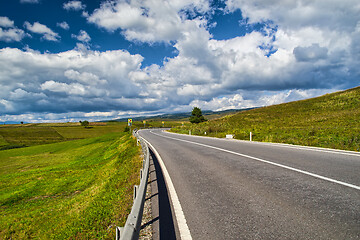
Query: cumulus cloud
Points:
[305, 49]
[67, 82]
[84, 77]
[42, 29]
[10, 33]
[6, 22]
[311, 53]
[74, 5]
[146, 21]
[83, 36]
[63, 25]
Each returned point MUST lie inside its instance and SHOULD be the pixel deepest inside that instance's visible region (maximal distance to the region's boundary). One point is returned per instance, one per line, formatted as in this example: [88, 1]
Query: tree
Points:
[84, 123]
[196, 116]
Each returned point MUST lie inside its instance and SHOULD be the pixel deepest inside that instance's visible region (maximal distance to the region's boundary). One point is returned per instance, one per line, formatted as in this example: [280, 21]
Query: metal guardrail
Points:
[131, 230]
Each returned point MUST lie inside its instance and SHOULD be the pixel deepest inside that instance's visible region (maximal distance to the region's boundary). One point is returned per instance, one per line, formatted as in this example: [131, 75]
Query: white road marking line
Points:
[179, 214]
[284, 145]
[268, 162]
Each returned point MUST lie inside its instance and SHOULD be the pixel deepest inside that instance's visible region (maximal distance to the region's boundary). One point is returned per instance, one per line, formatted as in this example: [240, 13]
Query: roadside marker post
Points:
[250, 136]
[130, 123]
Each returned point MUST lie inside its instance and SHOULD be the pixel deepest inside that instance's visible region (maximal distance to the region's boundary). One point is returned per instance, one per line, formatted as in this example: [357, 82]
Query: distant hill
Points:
[331, 121]
[184, 116]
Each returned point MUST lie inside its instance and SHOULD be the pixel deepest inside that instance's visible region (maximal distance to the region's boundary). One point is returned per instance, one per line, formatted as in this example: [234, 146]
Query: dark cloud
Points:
[311, 53]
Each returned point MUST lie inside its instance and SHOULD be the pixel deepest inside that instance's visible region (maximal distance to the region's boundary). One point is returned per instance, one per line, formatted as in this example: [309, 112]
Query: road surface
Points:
[228, 189]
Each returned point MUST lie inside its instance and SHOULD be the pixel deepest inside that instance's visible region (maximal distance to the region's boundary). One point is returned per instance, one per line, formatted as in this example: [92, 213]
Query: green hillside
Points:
[15, 136]
[331, 121]
[77, 189]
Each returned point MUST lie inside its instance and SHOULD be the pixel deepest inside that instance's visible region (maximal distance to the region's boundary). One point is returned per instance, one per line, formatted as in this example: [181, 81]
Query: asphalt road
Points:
[231, 189]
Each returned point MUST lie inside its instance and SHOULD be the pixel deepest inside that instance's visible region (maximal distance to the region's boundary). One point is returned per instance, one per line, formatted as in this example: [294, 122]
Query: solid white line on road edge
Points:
[268, 162]
[179, 214]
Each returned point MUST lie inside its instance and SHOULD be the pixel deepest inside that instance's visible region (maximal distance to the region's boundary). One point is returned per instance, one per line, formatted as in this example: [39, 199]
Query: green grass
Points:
[77, 189]
[24, 136]
[331, 121]
[3, 142]
[14, 136]
[79, 132]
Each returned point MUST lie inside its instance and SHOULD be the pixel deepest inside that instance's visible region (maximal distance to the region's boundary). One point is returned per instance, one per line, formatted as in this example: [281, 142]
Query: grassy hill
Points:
[15, 136]
[331, 121]
[78, 189]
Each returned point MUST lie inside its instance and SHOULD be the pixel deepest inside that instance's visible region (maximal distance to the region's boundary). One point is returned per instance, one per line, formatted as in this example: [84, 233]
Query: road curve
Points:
[248, 190]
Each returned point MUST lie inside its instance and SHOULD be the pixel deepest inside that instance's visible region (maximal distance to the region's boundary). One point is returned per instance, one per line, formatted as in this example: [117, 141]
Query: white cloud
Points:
[74, 5]
[67, 82]
[82, 36]
[146, 21]
[71, 89]
[12, 34]
[101, 114]
[84, 77]
[6, 22]
[42, 29]
[63, 25]
[305, 49]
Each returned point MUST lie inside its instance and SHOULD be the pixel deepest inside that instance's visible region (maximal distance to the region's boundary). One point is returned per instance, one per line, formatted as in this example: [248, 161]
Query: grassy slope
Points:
[69, 190]
[331, 121]
[12, 136]
[15, 136]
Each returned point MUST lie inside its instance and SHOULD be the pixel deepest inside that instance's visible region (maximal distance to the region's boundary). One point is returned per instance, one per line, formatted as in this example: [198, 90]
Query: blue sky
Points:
[74, 60]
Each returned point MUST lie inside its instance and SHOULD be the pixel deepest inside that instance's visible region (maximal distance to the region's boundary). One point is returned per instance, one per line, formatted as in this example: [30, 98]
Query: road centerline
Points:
[266, 161]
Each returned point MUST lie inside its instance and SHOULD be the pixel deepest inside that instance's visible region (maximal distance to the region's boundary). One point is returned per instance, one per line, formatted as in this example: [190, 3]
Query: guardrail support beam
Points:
[136, 187]
[119, 230]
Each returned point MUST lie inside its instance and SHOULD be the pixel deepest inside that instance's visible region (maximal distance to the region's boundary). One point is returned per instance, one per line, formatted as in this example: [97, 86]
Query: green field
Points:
[330, 121]
[15, 136]
[78, 189]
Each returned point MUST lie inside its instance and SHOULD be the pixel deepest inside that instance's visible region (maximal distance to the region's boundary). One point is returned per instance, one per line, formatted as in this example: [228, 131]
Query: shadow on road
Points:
[163, 223]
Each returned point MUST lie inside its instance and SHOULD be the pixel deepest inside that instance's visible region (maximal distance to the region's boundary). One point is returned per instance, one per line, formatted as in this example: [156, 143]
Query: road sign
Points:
[129, 122]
